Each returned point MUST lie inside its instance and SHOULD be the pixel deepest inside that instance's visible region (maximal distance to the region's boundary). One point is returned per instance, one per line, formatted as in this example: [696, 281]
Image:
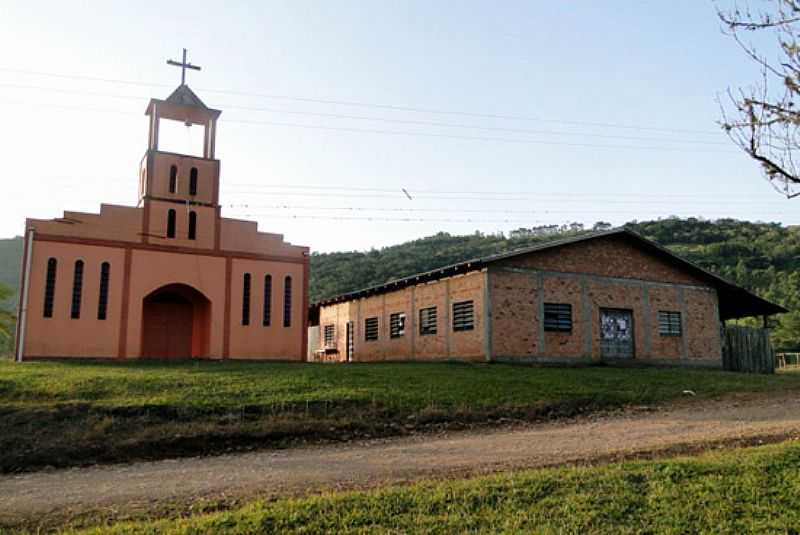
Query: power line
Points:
[380, 119]
[539, 211]
[567, 195]
[409, 134]
[515, 198]
[391, 107]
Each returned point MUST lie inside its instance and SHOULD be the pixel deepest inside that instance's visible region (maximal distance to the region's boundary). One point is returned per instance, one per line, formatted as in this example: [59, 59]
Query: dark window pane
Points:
[77, 290]
[102, 304]
[246, 299]
[50, 288]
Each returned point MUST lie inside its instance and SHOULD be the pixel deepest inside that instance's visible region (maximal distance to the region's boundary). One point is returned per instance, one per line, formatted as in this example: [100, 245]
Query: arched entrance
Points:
[175, 323]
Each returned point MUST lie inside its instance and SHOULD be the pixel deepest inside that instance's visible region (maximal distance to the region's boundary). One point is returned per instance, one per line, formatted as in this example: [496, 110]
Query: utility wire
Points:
[380, 119]
[363, 104]
[409, 134]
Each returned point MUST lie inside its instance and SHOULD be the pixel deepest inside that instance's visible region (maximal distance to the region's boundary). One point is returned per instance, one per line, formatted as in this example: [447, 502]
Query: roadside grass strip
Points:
[751, 490]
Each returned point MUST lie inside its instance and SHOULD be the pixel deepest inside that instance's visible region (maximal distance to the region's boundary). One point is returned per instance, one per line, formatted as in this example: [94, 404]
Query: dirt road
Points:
[401, 459]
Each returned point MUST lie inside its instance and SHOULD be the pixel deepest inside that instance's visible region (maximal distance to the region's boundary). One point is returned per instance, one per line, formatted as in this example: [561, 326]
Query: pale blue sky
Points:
[564, 70]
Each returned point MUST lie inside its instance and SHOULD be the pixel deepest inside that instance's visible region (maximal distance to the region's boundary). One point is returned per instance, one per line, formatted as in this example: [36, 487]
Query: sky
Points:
[492, 116]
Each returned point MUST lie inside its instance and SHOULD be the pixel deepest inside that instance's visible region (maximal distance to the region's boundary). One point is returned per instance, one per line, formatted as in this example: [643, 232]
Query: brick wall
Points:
[445, 344]
[606, 273]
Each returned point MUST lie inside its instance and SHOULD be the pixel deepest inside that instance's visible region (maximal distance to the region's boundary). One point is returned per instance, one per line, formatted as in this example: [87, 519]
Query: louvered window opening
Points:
[669, 323]
[397, 325]
[427, 321]
[102, 302]
[558, 317]
[329, 335]
[463, 316]
[77, 290]
[50, 288]
[371, 329]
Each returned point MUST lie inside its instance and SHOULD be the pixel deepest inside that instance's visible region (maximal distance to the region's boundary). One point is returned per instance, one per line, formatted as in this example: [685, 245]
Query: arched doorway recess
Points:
[176, 321]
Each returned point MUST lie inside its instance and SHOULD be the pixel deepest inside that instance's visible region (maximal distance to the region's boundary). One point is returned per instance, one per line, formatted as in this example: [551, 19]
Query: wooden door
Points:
[616, 334]
[167, 330]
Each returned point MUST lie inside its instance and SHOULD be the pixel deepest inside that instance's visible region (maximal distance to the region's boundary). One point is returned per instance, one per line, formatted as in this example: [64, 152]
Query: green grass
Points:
[754, 490]
[71, 413]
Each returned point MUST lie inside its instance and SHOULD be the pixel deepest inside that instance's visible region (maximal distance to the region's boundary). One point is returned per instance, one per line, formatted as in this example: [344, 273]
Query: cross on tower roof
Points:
[183, 65]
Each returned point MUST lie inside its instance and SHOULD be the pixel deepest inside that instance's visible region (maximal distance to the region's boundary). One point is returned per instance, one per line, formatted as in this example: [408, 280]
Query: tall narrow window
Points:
[173, 179]
[102, 303]
[193, 181]
[192, 225]
[287, 302]
[50, 288]
[171, 223]
[77, 290]
[267, 319]
[246, 300]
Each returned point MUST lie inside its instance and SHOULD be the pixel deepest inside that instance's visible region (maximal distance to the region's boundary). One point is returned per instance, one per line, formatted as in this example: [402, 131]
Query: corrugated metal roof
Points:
[735, 302]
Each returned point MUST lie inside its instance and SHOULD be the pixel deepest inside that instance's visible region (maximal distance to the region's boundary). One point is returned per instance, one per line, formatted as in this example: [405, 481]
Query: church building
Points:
[169, 278]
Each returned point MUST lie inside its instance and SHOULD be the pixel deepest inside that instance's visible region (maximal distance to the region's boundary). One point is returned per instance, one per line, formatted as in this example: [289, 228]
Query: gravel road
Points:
[401, 459]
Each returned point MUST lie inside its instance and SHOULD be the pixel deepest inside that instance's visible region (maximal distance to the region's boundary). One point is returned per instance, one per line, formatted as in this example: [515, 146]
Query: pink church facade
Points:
[169, 278]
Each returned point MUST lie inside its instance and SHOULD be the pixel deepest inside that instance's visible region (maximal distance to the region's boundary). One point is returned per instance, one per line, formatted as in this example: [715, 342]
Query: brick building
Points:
[169, 278]
[603, 296]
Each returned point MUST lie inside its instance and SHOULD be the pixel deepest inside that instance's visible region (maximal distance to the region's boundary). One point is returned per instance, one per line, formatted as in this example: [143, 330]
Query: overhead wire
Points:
[380, 119]
[392, 107]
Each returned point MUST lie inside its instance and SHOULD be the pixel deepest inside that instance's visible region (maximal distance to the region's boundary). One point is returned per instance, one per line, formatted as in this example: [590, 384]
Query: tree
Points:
[7, 318]
[763, 119]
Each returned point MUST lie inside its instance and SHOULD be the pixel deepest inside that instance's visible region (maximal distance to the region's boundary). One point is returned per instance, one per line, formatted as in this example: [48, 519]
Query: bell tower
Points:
[180, 192]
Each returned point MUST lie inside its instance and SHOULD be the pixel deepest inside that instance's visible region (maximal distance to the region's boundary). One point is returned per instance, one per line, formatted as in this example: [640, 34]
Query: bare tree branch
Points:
[764, 120]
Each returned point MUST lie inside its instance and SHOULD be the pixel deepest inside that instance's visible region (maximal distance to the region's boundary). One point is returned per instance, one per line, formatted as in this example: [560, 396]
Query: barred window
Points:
[669, 323]
[463, 316]
[427, 321]
[371, 329]
[77, 290]
[50, 288]
[287, 302]
[397, 324]
[558, 317]
[267, 312]
[102, 302]
[329, 335]
[246, 299]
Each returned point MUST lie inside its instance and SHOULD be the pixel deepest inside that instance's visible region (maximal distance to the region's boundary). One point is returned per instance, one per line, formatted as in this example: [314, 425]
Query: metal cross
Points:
[183, 65]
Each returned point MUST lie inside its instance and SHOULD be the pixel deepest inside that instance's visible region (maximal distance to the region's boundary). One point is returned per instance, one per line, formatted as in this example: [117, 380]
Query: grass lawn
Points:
[754, 490]
[60, 414]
